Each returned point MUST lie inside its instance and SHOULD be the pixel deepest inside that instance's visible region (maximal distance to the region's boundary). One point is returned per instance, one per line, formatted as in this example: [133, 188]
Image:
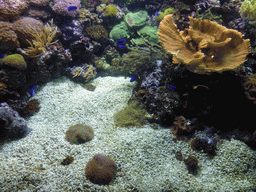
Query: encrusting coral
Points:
[15, 60]
[205, 46]
[8, 38]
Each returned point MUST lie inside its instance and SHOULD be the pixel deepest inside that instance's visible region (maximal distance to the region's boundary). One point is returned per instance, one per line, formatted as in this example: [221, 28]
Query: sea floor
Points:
[145, 155]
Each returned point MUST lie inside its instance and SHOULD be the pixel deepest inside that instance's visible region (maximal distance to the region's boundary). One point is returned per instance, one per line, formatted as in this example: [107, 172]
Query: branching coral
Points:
[41, 40]
[248, 11]
[205, 47]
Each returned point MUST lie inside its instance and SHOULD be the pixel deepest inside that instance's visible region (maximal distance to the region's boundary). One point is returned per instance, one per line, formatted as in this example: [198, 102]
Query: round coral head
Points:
[100, 170]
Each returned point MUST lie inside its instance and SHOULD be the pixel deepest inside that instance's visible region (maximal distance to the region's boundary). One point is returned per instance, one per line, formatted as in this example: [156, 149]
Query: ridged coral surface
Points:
[205, 47]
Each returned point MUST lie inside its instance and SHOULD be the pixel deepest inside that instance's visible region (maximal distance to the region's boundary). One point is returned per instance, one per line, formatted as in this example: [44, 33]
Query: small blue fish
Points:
[121, 46]
[172, 87]
[2, 55]
[121, 41]
[134, 78]
[157, 13]
[72, 8]
[32, 91]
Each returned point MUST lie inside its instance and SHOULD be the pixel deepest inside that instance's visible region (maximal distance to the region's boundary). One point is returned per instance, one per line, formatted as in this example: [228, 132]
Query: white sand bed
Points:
[145, 155]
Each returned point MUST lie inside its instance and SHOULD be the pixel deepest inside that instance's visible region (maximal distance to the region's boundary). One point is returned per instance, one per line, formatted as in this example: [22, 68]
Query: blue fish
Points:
[172, 87]
[134, 78]
[157, 13]
[72, 8]
[32, 91]
[2, 55]
[121, 46]
[121, 41]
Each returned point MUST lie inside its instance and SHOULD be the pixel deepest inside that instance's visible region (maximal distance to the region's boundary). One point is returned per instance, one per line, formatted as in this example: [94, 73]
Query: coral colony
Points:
[191, 65]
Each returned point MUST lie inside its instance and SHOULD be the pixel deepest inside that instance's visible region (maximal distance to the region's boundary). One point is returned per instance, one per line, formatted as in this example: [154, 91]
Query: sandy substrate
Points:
[145, 155]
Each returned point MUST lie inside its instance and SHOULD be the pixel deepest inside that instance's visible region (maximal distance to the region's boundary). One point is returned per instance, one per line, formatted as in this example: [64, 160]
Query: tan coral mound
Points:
[8, 38]
[205, 46]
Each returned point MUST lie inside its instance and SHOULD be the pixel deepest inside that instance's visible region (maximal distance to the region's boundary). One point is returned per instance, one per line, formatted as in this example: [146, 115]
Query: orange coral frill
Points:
[205, 46]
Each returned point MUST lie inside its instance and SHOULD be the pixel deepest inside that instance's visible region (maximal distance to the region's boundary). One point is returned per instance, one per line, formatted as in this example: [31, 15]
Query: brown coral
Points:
[8, 38]
[40, 40]
[250, 87]
[11, 9]
[97, 32]
[205, 47]
[22, 28]
[180, 126]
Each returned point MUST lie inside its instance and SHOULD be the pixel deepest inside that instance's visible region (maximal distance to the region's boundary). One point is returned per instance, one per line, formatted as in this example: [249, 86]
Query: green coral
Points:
[111, 10]
[163, 14]
[120, 31]
[248, 11]
[137, 19]
[132, 115]
[147, 33]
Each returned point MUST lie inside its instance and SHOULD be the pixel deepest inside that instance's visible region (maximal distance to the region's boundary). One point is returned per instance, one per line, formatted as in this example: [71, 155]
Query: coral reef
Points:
[88, 17]
[79, 133]
[96, 32]
[111, 10]
[84, 73]
[8, 38]
[60, 7]
[180, 126]
[31, 108]
[15, 61]
[205, 47]
[23, 26]
[137, 19]
[192, 164]
[12, 125]
[120, 31]
[41, 40]
[250, 87]
[167, 11]
[248, 11]
[132, 115]
[204, 142]
[11, 9]
[100, 170]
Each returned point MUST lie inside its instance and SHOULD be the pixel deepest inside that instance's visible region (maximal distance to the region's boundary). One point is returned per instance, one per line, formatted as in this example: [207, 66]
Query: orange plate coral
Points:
[205, 47]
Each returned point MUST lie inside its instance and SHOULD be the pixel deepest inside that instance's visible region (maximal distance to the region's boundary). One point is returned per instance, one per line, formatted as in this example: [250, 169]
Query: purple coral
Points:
[152, 81]
[12, 125]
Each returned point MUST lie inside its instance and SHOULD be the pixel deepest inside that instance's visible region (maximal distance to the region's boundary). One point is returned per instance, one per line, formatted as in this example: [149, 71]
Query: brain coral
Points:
[100, 170]
[205, 47]
[97, 32]
[11, 9]
[79, 133]
[8, 38]
[60, 7]
[22, 28]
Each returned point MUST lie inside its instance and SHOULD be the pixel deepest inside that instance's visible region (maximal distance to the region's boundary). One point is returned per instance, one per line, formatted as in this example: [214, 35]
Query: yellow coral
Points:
[111, 10]
[205, 47]
[14, 60]
[248, 11]
[41, 40]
